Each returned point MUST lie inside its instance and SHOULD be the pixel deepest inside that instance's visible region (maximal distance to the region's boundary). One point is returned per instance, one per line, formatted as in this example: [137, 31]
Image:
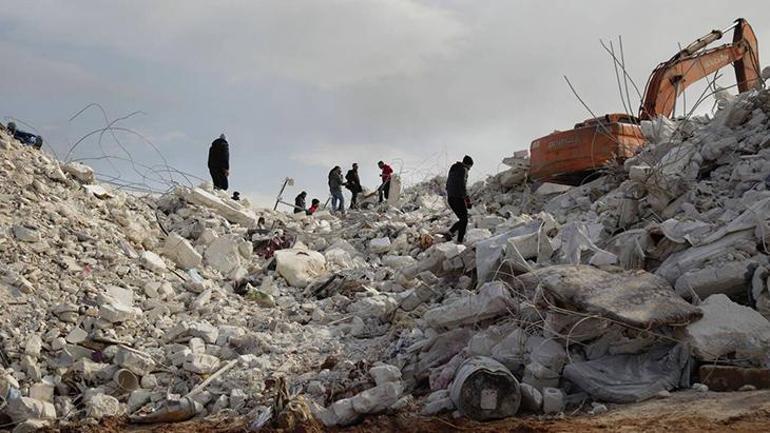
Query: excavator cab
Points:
[570, 157]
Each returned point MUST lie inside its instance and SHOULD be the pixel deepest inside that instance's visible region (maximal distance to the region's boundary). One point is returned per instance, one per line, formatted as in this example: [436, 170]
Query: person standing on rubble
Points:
[354, 185]
[336, 183]
[313, 206]
[457, 196]
[299, 202]
[219, 162]
[386, 176]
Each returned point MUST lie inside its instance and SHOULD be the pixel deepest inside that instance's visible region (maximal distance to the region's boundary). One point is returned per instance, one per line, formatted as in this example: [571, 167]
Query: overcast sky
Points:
[299, 86]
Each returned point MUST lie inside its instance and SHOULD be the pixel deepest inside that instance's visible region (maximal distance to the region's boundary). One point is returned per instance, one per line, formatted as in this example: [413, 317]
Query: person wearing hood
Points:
[457, 196]
[25, 138]
[336, 182]
[354, 185]
[299, 202]
[219, 162]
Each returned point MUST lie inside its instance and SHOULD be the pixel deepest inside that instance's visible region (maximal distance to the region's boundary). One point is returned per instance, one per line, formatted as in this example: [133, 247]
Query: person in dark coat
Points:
[354, 185]
[299, 202]
[457, 196]
[25, 138]
[219, 162]
[336, 182]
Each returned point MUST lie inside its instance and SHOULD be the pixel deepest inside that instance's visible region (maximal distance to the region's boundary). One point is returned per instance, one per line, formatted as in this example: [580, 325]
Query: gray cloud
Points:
[299, 86]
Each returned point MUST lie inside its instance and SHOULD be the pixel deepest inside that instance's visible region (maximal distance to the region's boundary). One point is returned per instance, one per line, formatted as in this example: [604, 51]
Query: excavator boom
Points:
[671, 78]
[569, 156]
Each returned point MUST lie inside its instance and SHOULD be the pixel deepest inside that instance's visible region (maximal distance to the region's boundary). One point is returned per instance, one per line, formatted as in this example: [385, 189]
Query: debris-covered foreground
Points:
[649, 279]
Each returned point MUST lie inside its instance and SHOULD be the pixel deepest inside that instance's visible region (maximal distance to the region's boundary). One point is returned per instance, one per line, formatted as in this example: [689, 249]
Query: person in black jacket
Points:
[25, 138]
[336, 182]
[457, 196]
[299, 202]
[354, 185]
[219, 162]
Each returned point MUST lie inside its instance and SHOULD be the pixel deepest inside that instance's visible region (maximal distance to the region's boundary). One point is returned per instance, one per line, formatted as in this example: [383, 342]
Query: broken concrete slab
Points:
[548, 188]
[201, 363]
[181, 252]
[492, 300]
[731, 279]
[379, 245]
[637, 298]
[300, 267]
[223, 255]
[377, 399]
[102, 405]
[693, 258]
[25, 234]
[79, 171]
[230, 212]
[153, 262]
[728, 329]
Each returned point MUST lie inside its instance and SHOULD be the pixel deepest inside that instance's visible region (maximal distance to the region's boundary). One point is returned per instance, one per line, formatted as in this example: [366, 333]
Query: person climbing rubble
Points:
[26, 138]
[354, 185]
[386, 176]
[299, 202]
[336, 182]
[457, 196]
[236, 196]
[219, 162]
[313, 206]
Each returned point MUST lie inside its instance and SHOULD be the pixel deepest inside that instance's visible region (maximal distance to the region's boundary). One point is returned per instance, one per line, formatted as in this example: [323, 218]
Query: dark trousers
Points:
[461, 210]
[219, 178]
[384, 190]
[354, 199]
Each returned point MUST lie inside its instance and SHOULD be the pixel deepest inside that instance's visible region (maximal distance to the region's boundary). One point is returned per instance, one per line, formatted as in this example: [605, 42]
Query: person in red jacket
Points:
[386, 175]
[313, 206]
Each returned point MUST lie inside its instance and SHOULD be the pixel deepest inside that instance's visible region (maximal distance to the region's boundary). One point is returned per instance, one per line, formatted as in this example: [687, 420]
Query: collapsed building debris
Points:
[168, 307]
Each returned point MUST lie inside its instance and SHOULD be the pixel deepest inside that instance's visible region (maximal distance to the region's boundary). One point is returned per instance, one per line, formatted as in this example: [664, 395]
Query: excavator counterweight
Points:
[570, 156]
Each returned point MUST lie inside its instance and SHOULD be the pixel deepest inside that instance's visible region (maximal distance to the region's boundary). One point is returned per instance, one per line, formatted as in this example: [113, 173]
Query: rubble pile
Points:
[179, 305]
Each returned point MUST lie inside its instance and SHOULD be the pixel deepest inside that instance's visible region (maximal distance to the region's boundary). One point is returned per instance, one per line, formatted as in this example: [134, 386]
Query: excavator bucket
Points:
[569, 157]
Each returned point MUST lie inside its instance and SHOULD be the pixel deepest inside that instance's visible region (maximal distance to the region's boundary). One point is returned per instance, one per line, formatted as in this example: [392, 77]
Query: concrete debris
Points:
[553, 401]
[729, 329]
[182, 302]
[153, 262]
[637, 298]
[101, 405]
[224, 255]
[81, 172]
[300, 267]
[484, 389]
[181, 252]
[491, 301]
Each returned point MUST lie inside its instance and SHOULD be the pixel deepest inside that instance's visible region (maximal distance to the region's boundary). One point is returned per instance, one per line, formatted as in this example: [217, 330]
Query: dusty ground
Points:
[684, 412]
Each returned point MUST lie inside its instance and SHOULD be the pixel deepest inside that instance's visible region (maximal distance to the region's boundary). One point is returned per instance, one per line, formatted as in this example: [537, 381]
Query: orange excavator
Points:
[569, 157]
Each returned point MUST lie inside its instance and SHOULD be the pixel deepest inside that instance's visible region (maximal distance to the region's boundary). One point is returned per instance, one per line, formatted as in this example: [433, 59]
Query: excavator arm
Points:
[691, 64]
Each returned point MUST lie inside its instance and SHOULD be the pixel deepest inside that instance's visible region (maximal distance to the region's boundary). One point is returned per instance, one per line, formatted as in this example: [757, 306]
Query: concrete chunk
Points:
[181, 252]
[491, 301]
[299, 267]
[201, 363]
[153, 262]
[728, 328]
[230, 212]
[79, 171]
